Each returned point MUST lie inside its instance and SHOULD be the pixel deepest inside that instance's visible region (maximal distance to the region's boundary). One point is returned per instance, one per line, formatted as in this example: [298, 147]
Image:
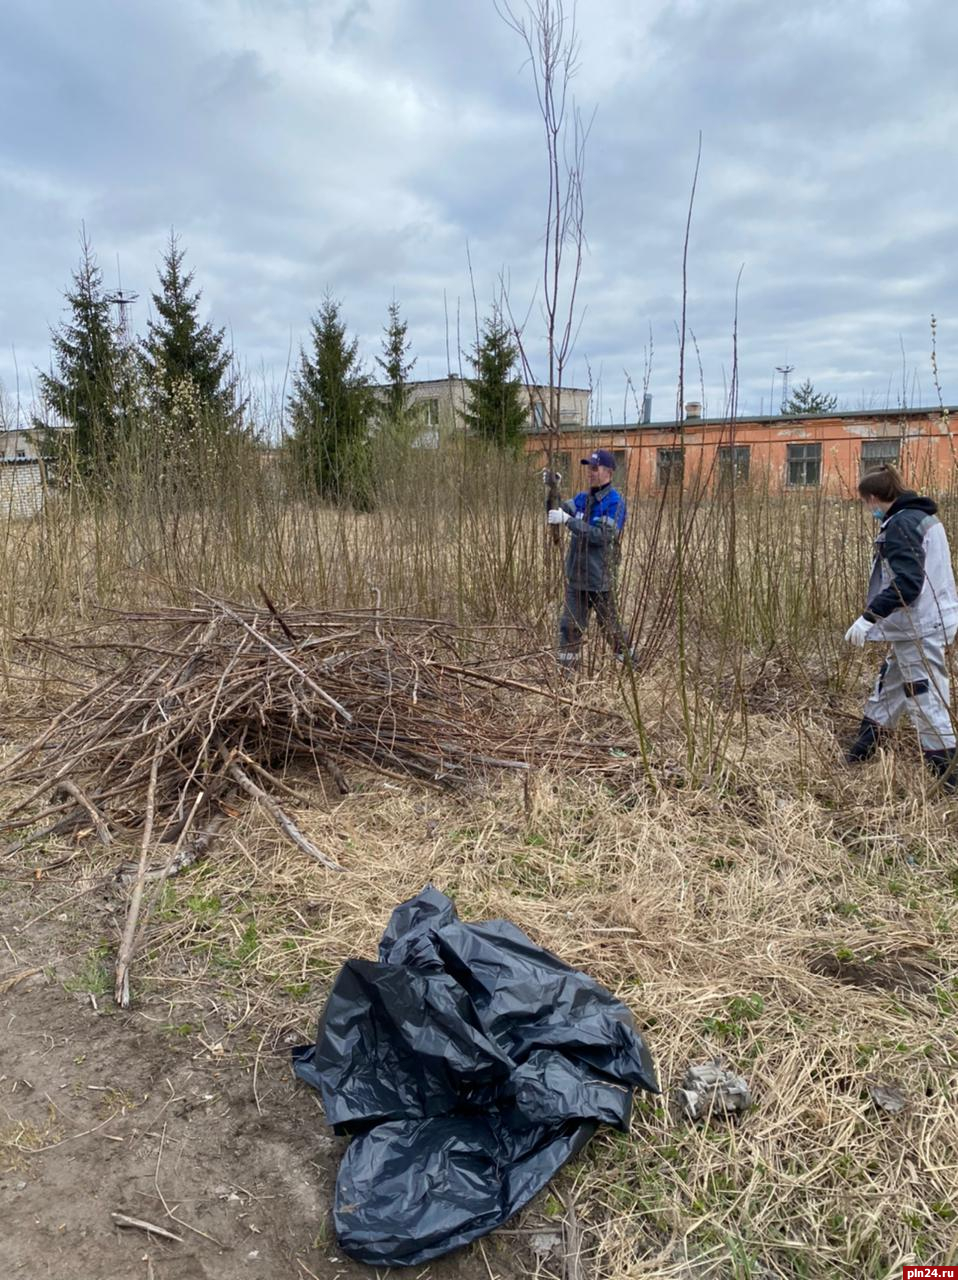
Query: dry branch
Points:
[141, 1224]
[202, 707]
[99, 822]
[283, 821]
[182, 858]
[121, 991]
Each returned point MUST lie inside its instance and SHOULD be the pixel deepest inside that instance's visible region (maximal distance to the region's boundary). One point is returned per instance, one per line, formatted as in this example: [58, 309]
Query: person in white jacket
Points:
[913, 605]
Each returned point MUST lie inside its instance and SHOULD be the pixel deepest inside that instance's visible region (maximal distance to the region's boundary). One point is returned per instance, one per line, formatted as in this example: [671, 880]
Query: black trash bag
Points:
[469, 1065]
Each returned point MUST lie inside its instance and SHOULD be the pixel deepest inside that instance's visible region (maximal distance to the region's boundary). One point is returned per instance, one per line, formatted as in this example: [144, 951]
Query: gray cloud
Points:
[360, 147]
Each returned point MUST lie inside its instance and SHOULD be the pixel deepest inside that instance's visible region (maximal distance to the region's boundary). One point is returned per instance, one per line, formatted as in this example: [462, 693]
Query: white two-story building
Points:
[21, 474]
[443, 402]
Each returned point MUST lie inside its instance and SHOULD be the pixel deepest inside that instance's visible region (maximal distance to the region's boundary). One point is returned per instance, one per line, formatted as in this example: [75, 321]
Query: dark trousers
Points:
[574, 619]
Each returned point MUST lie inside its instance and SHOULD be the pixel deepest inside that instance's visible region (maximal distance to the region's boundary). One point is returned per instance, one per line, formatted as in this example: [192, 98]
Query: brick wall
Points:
[21, 488]
[827, 452]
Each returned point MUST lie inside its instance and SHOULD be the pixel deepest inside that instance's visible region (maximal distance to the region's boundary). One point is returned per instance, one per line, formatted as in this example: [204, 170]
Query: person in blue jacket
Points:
[594, 520]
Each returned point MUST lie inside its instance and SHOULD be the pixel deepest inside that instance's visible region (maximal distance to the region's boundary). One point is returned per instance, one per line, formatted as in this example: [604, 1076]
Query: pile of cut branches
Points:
[187, 711]
[210, 704]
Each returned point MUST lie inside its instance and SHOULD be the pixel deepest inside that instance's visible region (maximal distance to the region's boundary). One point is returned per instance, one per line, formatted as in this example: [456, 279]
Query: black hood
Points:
[912, 501]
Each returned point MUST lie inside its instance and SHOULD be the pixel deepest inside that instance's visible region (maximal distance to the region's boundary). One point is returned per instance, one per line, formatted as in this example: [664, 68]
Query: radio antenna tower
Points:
[123, 302]
[784, 370]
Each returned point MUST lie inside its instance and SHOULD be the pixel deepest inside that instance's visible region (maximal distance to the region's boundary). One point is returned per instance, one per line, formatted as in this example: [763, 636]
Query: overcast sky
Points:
[366, 146]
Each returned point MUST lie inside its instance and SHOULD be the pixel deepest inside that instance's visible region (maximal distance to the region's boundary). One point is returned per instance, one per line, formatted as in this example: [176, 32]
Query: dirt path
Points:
[105, 1112]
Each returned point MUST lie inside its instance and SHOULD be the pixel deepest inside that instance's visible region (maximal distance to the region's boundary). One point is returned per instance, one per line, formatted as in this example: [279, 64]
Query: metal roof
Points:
[782, 419]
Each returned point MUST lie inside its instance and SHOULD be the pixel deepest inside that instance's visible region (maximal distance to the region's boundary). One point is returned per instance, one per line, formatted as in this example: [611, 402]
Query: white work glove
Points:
[857, 633]
[549, 476]
[558, 516]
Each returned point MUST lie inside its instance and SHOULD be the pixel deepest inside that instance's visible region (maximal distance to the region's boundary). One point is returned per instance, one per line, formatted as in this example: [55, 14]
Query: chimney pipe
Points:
[646, 408]
[693, 409]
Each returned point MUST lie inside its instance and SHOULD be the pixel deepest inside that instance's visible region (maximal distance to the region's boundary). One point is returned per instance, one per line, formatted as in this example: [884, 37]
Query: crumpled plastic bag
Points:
[469, 1065]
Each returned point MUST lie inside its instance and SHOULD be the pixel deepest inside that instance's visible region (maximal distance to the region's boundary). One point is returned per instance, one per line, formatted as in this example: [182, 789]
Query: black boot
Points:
[944, 763]
[870, 736]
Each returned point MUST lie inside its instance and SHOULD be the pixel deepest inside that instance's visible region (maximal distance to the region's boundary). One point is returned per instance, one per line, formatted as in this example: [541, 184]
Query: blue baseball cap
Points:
[600, 458]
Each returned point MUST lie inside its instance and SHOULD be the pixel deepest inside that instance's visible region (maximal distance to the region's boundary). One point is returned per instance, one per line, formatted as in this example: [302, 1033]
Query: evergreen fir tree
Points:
[331, 408]
[84, 389]
[497, 410]
[186, 364]
[397, 367]
[805, 400]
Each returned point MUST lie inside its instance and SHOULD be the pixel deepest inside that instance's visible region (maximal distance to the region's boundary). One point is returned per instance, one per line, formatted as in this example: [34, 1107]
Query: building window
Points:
[569, 416]
[562, 462]
[538, 415]
[804, 465]
[880, 453]
[670, 466]
[430, 412]
[733, 463]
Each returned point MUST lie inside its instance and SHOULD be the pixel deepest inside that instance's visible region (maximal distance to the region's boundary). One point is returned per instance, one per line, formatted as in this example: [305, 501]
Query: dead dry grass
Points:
[743, 893]
[796, 921]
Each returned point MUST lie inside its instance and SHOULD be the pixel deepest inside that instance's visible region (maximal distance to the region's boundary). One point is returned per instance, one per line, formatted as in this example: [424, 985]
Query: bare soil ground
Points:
[105, 1112]
[795, 919]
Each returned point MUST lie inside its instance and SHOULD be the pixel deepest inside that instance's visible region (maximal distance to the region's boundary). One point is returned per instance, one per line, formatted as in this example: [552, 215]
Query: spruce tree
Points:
[331, 408]
[186, 364]
[84, 390]
[497, 410]
[396, 367]
[805, 400]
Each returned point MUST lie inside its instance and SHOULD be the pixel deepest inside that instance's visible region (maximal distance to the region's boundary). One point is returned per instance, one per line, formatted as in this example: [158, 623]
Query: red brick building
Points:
[826, 451]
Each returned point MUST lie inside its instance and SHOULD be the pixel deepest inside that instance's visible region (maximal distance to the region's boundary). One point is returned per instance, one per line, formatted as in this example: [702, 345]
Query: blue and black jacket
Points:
[598, 518]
